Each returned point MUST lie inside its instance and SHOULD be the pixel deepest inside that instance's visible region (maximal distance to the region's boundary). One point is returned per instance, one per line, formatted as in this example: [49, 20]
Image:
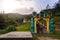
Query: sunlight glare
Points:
[10, 5]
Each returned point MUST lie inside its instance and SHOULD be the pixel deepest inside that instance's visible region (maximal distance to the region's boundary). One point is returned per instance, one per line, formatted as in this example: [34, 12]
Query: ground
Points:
[26, 27]
[46, 38]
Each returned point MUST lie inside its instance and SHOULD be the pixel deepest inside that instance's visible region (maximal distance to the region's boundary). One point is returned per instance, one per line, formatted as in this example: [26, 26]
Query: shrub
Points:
[2, 31]
[10, 28]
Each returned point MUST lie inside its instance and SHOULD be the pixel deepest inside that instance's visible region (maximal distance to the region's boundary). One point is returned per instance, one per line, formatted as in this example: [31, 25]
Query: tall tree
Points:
[56, 8]
[34, 13]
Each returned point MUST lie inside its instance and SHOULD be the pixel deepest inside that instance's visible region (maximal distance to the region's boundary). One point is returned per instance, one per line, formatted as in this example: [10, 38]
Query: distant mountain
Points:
[16, 16]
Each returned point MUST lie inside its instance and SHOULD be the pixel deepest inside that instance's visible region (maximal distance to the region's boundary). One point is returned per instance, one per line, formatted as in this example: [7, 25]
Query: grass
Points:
[54, 35]
[24, 27]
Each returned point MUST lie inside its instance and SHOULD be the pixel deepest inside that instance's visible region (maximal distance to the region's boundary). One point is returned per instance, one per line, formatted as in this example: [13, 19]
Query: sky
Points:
[24, 6]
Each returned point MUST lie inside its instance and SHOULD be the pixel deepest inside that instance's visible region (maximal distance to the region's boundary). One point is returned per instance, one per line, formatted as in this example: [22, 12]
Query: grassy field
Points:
[24, 27]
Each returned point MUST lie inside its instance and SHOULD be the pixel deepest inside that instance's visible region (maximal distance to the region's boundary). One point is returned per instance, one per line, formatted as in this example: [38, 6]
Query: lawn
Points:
[54, 35]
[24, 27]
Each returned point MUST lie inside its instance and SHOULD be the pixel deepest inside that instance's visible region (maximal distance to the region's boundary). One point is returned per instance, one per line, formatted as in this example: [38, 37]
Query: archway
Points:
[45, 21]
[41, 26]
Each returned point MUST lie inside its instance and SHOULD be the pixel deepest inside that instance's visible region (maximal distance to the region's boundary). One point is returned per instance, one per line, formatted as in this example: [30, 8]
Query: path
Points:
[46, 38]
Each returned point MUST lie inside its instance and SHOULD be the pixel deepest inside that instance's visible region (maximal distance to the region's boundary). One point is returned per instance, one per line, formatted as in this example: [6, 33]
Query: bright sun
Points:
[10, 5]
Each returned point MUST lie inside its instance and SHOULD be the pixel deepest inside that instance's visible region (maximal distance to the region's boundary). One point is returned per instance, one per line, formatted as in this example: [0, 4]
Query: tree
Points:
[34, 13]
[2, 22]
[56, 8]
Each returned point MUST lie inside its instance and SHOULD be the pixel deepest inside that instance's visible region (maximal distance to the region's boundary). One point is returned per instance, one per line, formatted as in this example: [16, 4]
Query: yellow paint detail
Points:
[35, 28]
[35, 20]
[47, 21]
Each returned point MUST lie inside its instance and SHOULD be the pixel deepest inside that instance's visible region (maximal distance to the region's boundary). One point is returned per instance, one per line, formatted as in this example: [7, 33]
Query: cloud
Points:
[23, 10]
[1, 1]
[27, 6]
[23, 0]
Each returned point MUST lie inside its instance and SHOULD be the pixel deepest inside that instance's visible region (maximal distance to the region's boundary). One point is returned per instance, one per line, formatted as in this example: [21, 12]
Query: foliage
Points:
[57, 19]
[57, 22]
[2, 31]
[10, 19]
[11, 28]
[2, 22]
[57, 6]
[8, 29]
[55, 10]
[34, 13]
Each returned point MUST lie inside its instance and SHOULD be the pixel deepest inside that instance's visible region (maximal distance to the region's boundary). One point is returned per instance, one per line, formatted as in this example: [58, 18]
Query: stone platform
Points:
[17, 36]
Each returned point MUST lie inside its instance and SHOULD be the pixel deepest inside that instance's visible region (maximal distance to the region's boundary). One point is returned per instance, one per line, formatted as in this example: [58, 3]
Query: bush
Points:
[2, 31]
[10, 28]
[57, 19]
